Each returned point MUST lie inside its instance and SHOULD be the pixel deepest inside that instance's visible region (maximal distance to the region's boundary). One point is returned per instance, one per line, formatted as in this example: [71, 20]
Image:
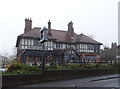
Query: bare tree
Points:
[13, 55]
[14, 50]
[108, 54]
[4, 58]
[5, 53]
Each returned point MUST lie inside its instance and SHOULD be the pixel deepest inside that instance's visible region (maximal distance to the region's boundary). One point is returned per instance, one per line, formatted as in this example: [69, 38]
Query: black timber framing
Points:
[34, 53]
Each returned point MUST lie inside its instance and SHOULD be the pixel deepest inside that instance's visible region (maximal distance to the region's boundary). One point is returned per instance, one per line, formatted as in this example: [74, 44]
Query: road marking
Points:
[103, 79]
[71, 86]
[80, 85]
[116, 87]
[75, 85]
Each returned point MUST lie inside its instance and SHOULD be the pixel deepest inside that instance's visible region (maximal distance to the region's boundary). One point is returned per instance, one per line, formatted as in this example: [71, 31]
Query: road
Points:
[98, 81]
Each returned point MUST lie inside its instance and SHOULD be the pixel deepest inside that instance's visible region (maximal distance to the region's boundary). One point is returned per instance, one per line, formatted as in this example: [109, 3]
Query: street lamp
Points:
[43, 38]
[43, 35]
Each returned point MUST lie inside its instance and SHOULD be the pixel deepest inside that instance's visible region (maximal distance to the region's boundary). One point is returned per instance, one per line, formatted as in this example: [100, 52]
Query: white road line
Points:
[71, 86]
[75, 85]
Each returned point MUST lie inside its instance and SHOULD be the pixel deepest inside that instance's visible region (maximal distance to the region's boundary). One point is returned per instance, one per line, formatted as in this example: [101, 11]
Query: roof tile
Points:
[61, 36]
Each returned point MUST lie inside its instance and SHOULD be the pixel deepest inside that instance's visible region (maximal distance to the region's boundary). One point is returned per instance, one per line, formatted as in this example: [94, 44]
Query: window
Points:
[22, 41]
[50, 48]
[45, 43]
[77, 46]
[49, 43]
[73, 45]
[25, 47]
[85, 46]
[96, 48]
[22, 47]
[37, 47]
[25, 41]
[40, 47]
[32, 42]
[90, 46]
[54, 45]
[28, 41]
[80, 45]
[64, 46]
[58, 46]
[29, 47]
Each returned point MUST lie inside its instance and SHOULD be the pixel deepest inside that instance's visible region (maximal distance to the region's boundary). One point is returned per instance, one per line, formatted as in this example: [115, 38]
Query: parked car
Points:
[2, 69]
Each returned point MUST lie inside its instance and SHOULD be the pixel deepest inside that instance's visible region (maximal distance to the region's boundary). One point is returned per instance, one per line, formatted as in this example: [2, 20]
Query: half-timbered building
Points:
[62, 46]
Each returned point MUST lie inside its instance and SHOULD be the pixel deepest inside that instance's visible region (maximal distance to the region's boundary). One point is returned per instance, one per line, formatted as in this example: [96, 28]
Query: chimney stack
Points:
[71, 29]
[49, 28]
[28, 25]
[113, 45]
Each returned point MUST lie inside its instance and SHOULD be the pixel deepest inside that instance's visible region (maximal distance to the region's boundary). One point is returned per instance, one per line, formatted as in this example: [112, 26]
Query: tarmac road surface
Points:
[111, 80]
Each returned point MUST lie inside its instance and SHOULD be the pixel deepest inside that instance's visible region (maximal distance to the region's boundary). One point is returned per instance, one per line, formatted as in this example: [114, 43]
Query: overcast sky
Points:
[91, 17]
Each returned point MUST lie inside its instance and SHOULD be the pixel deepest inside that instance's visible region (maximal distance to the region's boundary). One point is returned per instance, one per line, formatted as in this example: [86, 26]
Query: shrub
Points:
[19, 68]
[63, 67]
[95, 65]
[51, 67]
[89, 65]
[115, 65]
[59, 67]
[105, 66]
[73, 66]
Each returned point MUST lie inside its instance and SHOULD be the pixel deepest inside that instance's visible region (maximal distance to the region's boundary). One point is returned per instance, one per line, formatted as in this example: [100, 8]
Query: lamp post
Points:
[43, 38]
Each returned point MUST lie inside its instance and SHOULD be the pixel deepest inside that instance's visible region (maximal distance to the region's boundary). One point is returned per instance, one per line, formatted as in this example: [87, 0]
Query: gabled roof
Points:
[34, 33]
[84, 38]
[61, 36]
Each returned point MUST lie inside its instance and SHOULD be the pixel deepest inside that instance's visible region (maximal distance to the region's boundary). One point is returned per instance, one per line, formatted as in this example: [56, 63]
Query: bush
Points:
[51, 67]
[115, 65]
[96, 65]
[89, 65]
[59, 67]
[19, 68]
[105, 66]
[79, 66]
[63, 67]
[73, 66]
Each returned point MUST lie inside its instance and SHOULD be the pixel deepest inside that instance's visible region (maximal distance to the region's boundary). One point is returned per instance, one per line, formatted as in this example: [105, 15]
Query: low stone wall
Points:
[13, 80]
